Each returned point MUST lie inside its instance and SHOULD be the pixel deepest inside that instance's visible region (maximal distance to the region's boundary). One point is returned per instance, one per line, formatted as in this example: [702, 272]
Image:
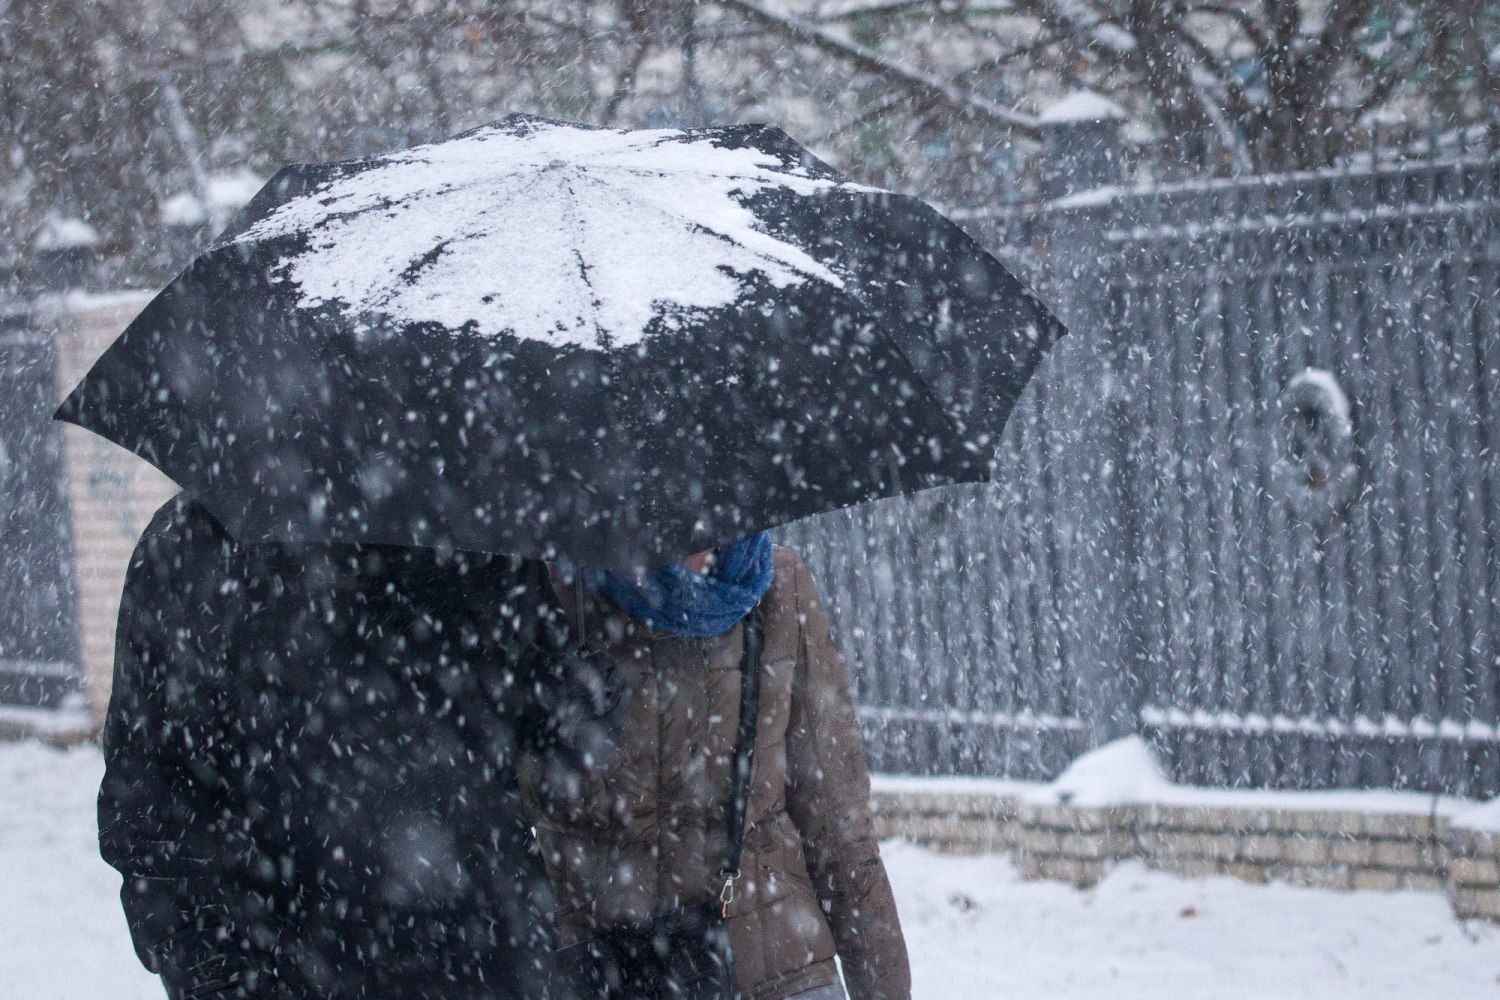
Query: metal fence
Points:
[1249, 509]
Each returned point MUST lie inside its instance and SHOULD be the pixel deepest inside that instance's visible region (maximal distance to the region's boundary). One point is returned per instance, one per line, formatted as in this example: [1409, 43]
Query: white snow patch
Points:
[1090, 198]
[235, 188]
[975, 928]
[81, 300]
[65, 722]
[1127, 773]
[1081, 106]
[1025, 719]
[62, 932]
[1119, 773]
[544, 230]
[1389, 727]
[226, 192]
[59, 233]
[1484, 818]
[184, 209]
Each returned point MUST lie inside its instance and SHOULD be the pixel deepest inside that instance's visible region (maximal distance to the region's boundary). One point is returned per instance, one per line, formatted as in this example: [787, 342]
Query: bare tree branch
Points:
[625, 82]
[866, 8]
[920, 83]
[1235, 104]
[1241, 16]
[891, 101]
[1284, 26]
[1341, 20]
[1090, 25]
[1228, 134]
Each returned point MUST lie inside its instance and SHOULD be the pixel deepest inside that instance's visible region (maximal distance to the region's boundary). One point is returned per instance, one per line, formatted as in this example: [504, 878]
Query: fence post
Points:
[40, 657]
[1091, 515]
[1082, 146]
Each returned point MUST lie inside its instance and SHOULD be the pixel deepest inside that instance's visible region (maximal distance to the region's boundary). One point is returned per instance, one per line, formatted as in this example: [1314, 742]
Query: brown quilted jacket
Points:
[647, 833]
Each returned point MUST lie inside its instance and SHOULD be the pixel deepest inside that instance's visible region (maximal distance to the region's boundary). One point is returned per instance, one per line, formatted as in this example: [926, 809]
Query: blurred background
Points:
[1247, 517]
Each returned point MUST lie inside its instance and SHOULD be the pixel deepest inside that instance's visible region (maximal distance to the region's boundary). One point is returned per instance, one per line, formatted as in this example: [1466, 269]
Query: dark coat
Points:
[644, 832]
[309, 787]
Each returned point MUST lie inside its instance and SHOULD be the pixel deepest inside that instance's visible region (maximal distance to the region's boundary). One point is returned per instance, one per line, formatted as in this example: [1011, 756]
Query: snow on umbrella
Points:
[540, 337]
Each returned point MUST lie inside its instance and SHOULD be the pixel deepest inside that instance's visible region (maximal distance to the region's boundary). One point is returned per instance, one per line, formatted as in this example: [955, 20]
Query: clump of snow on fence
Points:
[1334, 403]
[1081, 106]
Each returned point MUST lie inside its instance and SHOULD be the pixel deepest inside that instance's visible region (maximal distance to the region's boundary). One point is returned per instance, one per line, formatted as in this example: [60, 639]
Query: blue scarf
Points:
[678, 600]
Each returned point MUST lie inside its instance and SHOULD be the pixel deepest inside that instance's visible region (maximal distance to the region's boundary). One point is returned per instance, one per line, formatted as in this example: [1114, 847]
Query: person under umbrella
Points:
[641, 835]
[309, 758]
[538, 339]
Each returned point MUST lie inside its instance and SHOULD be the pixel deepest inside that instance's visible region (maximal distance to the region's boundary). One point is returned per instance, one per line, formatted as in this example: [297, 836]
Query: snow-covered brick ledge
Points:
[57, 728]
[1115, 803]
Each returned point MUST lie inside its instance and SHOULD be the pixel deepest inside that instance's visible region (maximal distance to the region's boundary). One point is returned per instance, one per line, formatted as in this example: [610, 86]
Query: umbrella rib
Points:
[380, 202]
[700, 227]
[600, 333]
[896, 348]
[414, 268]
[733, 176]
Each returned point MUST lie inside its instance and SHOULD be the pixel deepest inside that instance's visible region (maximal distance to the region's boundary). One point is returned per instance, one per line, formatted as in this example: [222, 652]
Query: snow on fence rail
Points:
[885, 715]
[1464, 730]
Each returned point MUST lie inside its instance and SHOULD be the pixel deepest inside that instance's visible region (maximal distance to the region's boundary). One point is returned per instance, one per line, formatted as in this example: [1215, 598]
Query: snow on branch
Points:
[850, 9]
[1090, 27]
[923, 84]
[895, 99]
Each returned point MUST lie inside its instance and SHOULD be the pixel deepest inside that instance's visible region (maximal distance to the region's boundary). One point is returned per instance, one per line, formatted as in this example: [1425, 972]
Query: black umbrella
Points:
[540, 337]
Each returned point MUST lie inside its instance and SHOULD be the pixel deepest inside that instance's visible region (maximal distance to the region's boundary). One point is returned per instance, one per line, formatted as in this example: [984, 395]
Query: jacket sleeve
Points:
[828, 797]
[168, 820]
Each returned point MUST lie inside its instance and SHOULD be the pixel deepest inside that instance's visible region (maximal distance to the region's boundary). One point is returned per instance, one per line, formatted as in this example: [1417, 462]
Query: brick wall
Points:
[1473, 862]
[113, 493]
[1344, 849]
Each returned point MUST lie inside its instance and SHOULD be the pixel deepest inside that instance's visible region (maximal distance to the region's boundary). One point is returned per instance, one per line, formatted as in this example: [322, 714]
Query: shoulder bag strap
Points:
[744, 756]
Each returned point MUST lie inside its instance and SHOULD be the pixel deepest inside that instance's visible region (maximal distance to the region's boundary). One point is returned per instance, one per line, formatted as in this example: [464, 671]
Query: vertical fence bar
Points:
[40, 655]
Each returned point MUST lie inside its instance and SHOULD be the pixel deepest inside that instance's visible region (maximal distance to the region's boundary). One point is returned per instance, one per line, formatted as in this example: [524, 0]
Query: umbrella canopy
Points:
[539, 337]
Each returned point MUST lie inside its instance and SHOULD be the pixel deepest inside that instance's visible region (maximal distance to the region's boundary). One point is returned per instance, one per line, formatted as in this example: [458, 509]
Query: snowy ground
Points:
[975, 929]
